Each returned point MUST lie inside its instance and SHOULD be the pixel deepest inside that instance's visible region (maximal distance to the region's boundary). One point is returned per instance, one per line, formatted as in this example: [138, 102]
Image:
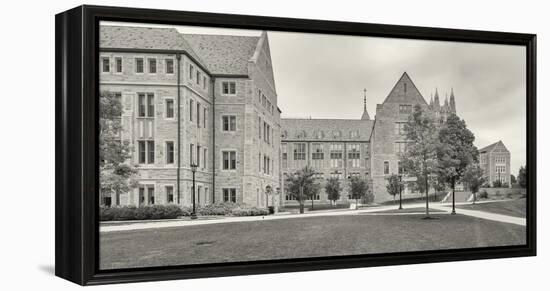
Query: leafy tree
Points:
[513, 179]
[455, 152]
[358, 188]
[473, 178]
[312, 191]
[522, 177]
[438, 183]
[333, 189]
[420, 156]
[301, 185]
[116, 174]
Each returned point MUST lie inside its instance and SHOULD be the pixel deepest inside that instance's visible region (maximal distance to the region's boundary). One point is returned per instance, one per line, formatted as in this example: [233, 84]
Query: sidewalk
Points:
[439, 206]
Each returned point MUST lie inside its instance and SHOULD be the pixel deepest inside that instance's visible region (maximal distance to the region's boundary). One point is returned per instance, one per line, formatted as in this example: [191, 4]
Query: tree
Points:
[395, 186]
[497, 184]
[513, 179]
[420, 156]
[455, 152]
[333, 189]
[522, 177]
[117, 175]
[358, 188]
[473, 177]
[302, 184]
[312, 191]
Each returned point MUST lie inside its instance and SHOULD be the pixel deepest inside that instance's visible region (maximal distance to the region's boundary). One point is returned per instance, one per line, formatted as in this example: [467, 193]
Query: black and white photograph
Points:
[221, 145]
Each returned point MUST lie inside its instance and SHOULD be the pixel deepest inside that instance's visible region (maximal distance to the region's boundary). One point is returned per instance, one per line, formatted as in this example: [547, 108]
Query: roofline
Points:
[332, 119]
[165, 51]
[394, 86]
[324, 140]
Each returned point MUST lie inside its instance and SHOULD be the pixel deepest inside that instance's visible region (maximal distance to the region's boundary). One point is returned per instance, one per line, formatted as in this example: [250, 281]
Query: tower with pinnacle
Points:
[365, 115]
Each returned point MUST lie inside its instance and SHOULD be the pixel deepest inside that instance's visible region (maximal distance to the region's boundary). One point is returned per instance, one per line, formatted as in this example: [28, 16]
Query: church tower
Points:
[365, 115]
[452, 102]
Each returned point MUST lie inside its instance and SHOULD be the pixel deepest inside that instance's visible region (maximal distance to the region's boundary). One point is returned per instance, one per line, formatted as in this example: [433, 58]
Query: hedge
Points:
[171, 211]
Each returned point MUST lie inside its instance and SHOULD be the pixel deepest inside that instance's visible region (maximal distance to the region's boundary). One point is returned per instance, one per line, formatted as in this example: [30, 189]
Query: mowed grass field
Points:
[301, 237]
[515, 208]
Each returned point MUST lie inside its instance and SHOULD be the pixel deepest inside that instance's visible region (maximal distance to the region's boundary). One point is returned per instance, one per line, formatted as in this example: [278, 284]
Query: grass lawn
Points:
[408, 210]
[300, 237]
[515, 208]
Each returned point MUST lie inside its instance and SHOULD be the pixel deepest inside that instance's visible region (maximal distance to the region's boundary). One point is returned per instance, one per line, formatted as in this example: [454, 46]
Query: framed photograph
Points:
[200, 145]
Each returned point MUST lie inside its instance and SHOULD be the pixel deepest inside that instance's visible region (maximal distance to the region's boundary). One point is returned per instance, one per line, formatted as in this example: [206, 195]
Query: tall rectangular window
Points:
[169, 66]
[229, 88]
[191, 72]
[229, 160]
[150, 151]
[191, 106]
[169, 152]
[198, 115]
[399, 128]
[146, 151]
[204, 82]
[105, 65]
[169, 194]
[199, 152]
[198, 79]
[205, 159]
[152, 66]
[399, 147]
[354, 155]
[336, 155]
[229, 195]
[400, 169]
[259, 127]
[284, 154]
[141, 195]
[205, 117]
[386, 168]
[150, 105]
[169, 108]
[139, 65]
[229, 123]
[299, 151]
[150, 195]
[317, 155]
[118, 65]
[141, 104]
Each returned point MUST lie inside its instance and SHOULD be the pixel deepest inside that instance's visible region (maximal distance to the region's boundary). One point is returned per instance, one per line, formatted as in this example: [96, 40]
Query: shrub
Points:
[119, 213]
[483, 194]
[248, 211]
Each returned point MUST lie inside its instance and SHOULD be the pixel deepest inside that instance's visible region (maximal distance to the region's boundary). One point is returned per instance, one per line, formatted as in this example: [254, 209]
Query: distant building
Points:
[494, 159]
[365, 147]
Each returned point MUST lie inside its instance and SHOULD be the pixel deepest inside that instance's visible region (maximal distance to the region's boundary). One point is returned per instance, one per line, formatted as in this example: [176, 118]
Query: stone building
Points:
[366, 147]
[494, 159]
[194, 99]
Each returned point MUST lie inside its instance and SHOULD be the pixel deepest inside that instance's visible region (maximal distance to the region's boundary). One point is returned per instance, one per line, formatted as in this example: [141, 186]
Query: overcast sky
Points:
[323, 76]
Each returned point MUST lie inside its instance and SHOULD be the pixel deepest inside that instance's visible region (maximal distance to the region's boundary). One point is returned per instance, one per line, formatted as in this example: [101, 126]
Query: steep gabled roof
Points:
[401, 95]
[293, 127]
[128, 37]
[224, 54]
[492, 146]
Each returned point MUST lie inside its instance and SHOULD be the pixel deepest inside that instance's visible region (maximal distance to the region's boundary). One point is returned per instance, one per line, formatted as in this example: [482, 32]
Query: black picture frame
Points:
[77, 171]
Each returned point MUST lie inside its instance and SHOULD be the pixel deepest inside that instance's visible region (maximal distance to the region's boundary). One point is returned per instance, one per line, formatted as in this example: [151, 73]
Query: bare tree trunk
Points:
[453, 185]
[427, 202]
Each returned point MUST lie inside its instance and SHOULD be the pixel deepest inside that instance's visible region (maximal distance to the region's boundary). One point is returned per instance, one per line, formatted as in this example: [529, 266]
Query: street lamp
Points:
[194, 169]
[400, 190]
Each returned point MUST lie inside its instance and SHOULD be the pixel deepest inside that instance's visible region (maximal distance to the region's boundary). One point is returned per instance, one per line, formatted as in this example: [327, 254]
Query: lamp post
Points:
[194, 169]
[400, 190]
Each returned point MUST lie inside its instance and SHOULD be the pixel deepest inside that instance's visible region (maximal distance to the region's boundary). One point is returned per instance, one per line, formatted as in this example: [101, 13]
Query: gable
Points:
[405, 91]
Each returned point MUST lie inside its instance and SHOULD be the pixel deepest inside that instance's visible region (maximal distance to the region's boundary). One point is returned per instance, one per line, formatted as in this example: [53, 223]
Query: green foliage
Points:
[140, 213]
[230, 209]
[358, 188]
[483, 194]
[394, 185]
[513, 179]
[497, 184]
[303, 179]
[116, 175]
[456, 150]
[420, 156]
[522, 177]
[473, 177]
[333, 189]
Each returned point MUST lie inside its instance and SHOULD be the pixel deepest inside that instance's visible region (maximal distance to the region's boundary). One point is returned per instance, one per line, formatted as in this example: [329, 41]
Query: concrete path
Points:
[444, 207]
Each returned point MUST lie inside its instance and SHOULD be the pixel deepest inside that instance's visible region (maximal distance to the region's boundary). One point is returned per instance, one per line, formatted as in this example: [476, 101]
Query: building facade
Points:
[194, 99]
[494, 159]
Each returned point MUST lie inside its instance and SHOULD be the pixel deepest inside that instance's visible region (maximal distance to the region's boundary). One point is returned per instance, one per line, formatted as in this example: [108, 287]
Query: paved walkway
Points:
[439, 206]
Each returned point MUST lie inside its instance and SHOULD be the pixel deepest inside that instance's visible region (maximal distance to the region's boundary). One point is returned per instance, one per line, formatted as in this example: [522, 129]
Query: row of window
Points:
[320, 134]
[146, 153]
[267, 166]
[265, 131]
[400, 169]
[146, 108]
[262, 100]
[147, 194]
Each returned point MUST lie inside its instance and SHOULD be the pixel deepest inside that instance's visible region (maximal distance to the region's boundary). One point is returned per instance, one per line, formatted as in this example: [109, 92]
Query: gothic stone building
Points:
[202, 99]
[494, 159]
[364, 147]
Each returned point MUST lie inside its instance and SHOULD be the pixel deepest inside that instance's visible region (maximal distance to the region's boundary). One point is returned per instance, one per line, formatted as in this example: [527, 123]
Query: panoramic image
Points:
[227, 145]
